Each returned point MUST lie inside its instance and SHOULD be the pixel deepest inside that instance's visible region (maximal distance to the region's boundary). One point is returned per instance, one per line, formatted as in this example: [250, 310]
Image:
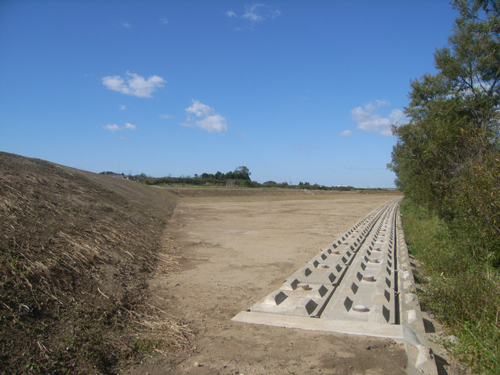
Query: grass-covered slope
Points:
[76, 250]
[460, 289]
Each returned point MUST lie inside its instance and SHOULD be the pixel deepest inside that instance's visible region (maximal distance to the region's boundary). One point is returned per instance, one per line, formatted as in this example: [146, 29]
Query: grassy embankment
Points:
[461, 291]
[76, 253]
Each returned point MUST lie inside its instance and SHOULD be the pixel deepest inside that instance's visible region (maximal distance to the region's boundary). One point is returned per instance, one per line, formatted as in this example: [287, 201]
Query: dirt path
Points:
[238, 250]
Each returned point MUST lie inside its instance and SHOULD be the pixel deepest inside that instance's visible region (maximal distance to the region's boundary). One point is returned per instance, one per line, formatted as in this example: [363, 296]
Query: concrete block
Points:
[363, 281]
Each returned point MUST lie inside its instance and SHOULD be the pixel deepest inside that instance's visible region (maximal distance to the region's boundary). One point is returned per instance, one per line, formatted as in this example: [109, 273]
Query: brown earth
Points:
[76, 252]
[234, 250]
[98, 277]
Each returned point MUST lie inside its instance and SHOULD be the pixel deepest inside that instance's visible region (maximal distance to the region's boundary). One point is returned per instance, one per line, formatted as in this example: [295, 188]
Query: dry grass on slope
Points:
[76, 251]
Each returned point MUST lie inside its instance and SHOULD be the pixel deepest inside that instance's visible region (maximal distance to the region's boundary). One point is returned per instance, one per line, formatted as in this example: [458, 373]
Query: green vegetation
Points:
[461, 291]
[447, 157]
[240, 177]
[447, 161]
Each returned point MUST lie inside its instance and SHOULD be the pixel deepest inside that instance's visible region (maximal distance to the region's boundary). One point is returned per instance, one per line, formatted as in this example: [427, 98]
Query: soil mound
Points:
[76, 251]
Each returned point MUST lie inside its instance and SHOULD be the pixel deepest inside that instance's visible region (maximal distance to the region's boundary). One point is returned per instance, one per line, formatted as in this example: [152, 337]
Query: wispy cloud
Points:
[260, 12]
[122, 107]
[255, 13]
[165, 116]
[345, 133]
[126, 25]
[134, 84]
[164, 20]
[209, 120]
[114, 127]
[370, 121]
[111, 127]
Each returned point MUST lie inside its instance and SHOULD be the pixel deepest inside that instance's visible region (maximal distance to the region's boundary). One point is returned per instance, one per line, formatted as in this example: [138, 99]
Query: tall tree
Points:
[242, 173]
[454, 113]
[448, 156]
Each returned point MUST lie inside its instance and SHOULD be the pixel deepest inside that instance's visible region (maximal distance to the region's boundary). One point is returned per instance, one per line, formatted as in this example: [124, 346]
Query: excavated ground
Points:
[235, 250]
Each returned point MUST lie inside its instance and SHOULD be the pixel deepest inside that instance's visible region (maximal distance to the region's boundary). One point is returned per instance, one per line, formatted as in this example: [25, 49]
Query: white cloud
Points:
[164, 20]
[251, 13]
[199, 109]
[255, 13]
[370, 121]
[126, 25]
[260, 12]
[370, 107]
[166, 116]
[210, 121]
[345, 133]
[134, 84]
[397, 116]
[114, 127]
[213, 124]
[122, 107]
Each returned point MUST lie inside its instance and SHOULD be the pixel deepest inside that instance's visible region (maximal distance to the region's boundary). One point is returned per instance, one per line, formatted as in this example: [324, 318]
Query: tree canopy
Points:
[448, 156]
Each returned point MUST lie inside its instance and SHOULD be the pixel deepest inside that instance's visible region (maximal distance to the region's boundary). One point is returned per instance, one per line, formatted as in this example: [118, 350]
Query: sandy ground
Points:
[234, 251]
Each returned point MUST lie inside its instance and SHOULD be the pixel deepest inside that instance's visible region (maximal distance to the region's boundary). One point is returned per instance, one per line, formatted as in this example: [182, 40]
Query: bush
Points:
[456, 286]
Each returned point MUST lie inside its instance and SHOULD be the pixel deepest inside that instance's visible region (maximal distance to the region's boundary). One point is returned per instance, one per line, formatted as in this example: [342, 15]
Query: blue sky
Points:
[294, 90]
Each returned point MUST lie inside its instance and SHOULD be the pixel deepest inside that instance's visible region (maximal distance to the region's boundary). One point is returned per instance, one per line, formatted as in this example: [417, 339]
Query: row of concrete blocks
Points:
[352, 279]
[362, 283]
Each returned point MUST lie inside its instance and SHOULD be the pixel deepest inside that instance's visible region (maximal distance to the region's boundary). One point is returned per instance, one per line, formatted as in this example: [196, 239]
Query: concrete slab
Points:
[315, 324]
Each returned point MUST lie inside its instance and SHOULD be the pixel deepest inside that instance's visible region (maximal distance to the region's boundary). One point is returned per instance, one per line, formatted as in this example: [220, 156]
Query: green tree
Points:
[242, 173]
[448, 156]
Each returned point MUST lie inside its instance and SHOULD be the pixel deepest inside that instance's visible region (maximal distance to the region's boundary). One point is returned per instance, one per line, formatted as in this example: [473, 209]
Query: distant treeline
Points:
[240, 177]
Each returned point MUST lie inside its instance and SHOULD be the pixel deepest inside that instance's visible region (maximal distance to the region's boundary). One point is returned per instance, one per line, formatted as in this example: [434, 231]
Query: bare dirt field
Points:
[232, 251]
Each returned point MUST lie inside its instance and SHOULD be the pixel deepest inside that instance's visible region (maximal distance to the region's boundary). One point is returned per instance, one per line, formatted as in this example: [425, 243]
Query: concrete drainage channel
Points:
[360, 284]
